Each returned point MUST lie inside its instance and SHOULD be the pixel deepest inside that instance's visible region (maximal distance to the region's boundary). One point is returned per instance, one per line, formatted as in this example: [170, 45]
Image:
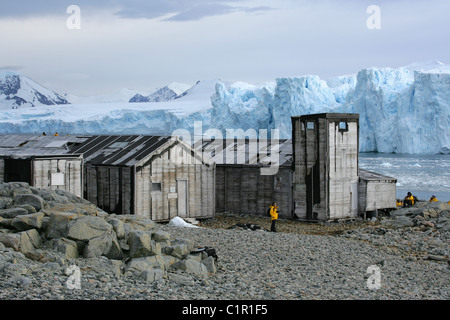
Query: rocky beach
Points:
[55, 246]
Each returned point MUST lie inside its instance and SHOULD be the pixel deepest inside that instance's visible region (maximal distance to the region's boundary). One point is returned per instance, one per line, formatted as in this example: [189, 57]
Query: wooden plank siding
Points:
[325, 180]
[243, 190]
[172, 167]
[109, 188]
[376, 191]
[343, 170]
[141, 175]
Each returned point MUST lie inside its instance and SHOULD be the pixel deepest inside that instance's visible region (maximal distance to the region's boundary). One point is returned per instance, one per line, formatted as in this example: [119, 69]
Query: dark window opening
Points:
[343, 126]
[156, 186]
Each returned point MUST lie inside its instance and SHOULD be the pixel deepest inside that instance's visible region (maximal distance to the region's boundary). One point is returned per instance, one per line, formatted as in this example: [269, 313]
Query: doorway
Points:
[18, 170]
[182, 190]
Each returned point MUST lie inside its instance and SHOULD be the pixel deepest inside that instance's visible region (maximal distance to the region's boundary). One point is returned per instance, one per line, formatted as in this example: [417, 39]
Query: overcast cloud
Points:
[182, 10]
[148, 44]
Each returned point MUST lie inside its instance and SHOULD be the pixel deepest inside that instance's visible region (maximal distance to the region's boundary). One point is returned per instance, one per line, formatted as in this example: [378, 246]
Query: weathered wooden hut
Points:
[327, 181]
[152, 176]
[375, 191]
[242, 185]
[325, 151]
[42, 162]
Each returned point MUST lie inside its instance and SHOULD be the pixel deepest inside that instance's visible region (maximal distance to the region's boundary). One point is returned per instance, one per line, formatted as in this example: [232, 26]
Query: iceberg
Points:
[402, 110]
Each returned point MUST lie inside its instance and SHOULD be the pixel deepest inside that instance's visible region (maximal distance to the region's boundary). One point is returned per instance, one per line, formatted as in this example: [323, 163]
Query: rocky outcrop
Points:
[418, 232]
[422, 216]
[48, 226]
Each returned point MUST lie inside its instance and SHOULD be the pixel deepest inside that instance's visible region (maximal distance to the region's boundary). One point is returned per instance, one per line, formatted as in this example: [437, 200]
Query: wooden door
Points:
[182, 190]
[354, 199]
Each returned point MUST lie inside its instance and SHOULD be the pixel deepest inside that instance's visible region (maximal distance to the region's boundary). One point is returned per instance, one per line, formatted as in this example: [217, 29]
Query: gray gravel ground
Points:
[252, 265]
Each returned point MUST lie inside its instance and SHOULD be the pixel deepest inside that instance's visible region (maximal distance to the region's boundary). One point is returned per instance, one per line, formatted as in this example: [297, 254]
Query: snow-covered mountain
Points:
[18, 91]
[166, 93]
[403, 110]
[122, 96]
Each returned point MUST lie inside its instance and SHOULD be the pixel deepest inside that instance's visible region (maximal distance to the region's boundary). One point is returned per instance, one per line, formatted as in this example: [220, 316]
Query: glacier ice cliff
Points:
[402, 110]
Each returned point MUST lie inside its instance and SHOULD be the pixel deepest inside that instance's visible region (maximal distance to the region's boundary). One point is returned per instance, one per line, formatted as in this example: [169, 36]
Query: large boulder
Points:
[398, 222]
[29, 240]
[72, 198]
[179, 251]
[10, 240]
[95, 236]
[115, 251]
[185, 280]
[12, 212]
[49, 195]
[105, 245]
[85, 228]
[118, 226]
[30, 209]
[77, 208]
[11, 189]
[102, 265]
[139, 223]
[57, 226]
[191, 266]
[435, 209]
[97, 247]
[141, 244]
[139, 265]
[27, 222]
[180, 248]
[153, 275]
[66, 246]
[210, 264]
[31, 199]
[161, 236]
[24, 241]
[5, 202]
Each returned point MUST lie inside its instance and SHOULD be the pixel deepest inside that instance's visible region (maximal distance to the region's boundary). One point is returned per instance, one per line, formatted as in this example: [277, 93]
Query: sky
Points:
[100, 47]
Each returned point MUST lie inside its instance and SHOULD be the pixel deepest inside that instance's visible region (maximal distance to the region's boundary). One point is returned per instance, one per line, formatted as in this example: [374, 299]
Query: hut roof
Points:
[124, 150]
[374, 176]
[25, 146]
[248, 152]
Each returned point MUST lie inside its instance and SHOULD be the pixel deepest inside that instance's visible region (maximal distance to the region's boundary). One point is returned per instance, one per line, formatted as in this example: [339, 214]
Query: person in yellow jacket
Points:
[274, 216]
[409, 200]
[433, 199]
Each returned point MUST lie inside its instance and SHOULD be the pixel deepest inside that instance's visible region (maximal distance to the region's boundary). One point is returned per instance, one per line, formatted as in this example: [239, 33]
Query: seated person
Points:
[409, 200]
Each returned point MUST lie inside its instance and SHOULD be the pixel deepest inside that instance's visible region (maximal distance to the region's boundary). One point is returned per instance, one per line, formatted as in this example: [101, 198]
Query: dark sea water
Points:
[422, 175]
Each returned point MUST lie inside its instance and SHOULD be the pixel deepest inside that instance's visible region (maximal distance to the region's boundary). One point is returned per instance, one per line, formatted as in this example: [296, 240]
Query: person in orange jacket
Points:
[274, 216]
[433, 199]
